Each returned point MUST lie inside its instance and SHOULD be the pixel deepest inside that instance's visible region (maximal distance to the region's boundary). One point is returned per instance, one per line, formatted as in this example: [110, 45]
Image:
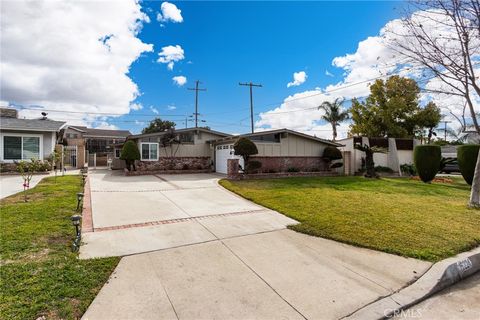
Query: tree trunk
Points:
[475, 191]
[370, 165]
[334, 134]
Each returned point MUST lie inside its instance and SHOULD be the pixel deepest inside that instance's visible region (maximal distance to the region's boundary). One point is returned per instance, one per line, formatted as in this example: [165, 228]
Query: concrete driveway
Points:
[146, 213]
[209, 254]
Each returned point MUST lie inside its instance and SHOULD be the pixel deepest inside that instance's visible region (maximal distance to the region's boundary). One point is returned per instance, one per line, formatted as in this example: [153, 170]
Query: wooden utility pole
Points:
[250, 84]
[196, 89]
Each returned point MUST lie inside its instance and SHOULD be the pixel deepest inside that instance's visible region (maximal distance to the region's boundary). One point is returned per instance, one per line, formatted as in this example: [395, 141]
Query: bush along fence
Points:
[234, 172]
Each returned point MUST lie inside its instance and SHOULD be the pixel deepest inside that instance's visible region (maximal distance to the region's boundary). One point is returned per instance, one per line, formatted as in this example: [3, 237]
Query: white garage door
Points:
[222, 154]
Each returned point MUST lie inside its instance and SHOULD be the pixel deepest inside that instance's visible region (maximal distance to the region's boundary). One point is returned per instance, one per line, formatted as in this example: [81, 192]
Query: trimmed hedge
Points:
[427, 161]
[331, 153]
[130, 153]
[467, 159]
[245, 147]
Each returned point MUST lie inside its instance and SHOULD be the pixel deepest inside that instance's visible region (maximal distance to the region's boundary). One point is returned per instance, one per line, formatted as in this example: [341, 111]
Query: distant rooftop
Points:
[223, 134]
[7, 123]
[104, 133]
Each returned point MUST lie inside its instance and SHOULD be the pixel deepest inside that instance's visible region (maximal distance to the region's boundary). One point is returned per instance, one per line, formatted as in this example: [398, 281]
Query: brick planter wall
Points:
[176, 164]
[282, 175]
[281, 164]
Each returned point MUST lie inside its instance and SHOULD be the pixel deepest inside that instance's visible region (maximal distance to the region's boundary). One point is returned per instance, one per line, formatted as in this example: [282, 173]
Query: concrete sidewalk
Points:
[272, 275]
[12, 184]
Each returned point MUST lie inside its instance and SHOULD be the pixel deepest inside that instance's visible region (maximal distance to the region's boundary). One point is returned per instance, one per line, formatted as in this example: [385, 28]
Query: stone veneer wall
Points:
[175, 163]
[282, 164]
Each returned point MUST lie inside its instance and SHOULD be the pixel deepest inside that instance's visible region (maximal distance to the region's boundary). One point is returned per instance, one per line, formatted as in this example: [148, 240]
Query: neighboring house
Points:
[194, 151]
[278, 151]
[95, 146]
[399, 151]
[24, 139]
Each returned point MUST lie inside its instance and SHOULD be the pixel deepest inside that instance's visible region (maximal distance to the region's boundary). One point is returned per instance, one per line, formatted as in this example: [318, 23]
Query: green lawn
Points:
[400, 216]
[39, 273]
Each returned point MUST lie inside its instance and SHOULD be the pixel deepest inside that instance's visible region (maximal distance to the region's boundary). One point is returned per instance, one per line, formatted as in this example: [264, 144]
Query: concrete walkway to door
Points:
[219, 256]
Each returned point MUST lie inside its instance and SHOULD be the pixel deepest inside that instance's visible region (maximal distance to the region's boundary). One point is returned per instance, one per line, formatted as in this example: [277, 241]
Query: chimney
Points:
[8, 113]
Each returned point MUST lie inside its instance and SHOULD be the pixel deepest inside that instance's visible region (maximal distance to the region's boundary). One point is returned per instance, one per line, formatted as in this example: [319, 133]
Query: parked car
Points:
[451, 165]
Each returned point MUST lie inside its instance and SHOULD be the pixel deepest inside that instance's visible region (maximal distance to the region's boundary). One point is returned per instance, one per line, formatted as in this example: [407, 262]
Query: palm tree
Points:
[334, 114]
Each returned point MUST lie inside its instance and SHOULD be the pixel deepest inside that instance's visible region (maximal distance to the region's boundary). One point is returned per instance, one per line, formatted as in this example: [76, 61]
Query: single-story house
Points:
[400, 151]
[194, 151]
[200, 148]
[24, 139]
[95, 146]
[278, 151]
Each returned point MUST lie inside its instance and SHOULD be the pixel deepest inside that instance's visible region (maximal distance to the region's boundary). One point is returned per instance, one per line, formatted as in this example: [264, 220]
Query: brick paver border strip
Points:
[179, 220]
[87, 220]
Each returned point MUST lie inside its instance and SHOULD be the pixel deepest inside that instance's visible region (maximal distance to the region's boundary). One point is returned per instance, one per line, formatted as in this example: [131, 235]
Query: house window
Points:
[186, 137]
[21, 148]
[266, 138]
[149, 151]
[117, 153]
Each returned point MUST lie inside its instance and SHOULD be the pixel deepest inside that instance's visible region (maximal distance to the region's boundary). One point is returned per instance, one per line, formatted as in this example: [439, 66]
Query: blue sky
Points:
[81, 61]
[229, 42]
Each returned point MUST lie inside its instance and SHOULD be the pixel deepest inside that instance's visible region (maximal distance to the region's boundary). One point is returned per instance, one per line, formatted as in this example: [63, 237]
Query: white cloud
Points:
[179, 80]
[136, 106]
[327, 73]
[106, 125]
[170, 55]
[374, 58]
[139, 123]
[70, 56]
[298, 78]
[154, 110]
[171, 107]
[170, 12]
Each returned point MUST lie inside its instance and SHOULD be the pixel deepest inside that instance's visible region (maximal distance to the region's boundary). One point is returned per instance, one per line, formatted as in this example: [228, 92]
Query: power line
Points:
[104, 113]
[251, 85]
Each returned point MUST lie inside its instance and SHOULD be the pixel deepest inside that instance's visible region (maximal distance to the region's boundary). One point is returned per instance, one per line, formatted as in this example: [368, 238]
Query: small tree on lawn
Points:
[130, 153]
[55, 157]
[27, 169]
[245, 148]
[369, 163]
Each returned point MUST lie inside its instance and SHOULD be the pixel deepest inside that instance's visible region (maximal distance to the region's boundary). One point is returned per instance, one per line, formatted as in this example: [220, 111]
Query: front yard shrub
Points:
[467, 159]
[427, 161]
[293, 169]
[253, 166]
[331, 153]
[245, 147]
[130, 153]
[408, 169]
[185, 166]
[383, 169]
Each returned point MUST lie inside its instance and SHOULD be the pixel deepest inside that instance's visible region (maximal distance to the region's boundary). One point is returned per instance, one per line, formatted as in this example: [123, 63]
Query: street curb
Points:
[441, 275]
